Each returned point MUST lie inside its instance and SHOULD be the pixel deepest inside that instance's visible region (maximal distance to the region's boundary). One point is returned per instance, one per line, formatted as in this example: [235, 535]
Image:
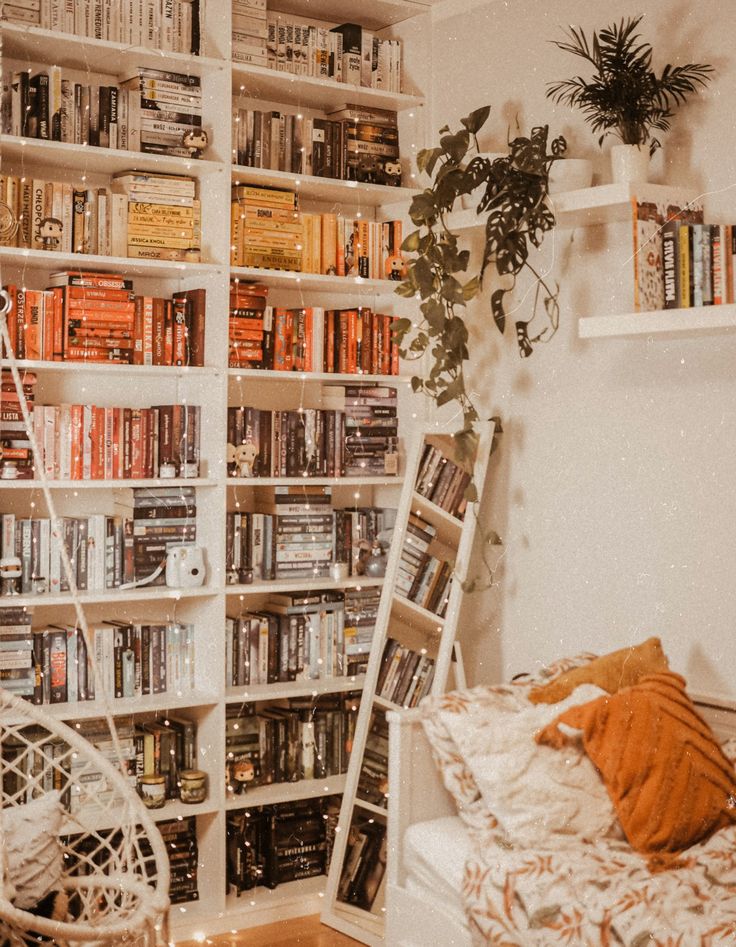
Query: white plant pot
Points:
[570, 174]
[629, 164]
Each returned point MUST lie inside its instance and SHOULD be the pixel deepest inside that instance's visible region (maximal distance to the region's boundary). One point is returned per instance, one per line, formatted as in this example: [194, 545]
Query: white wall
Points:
[615, 485]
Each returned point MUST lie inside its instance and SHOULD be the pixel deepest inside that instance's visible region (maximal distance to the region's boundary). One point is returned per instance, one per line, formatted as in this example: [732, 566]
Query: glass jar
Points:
[152, 788]
[193, 783]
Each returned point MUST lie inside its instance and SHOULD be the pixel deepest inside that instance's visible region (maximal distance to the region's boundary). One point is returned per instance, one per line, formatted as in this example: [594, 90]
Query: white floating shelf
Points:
[700, 319]
[273, 793]
[88, 158]
[309, 282]
[313, 481]
[50, 260]
[326, 189]
[373, 16]
[605, 204]
[299, 585]
[108, 484]
[147, 371]
[155, 703]
[254, 692]
[343, 378]
[33, 44]
[260, 82]
[113, 596]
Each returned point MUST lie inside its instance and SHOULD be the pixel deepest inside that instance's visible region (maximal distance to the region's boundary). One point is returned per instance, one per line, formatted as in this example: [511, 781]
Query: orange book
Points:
[136, 444]
[168, 355]
[117, 453]
[329, 245]
[77, 437]
[33, 325]
[97, 439]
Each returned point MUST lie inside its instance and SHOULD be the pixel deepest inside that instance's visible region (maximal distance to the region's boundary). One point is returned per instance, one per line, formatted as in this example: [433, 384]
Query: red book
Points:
[77, 433]
[109, 420]
[106, 294]
[145, 441]
[394, 351]
[136, 444]
[159, 331]
[97, 438]
[57, 323]
[127, 444]
[117, 453]
[168, 332]
[12, 291]
[196, 300]
[180, 344]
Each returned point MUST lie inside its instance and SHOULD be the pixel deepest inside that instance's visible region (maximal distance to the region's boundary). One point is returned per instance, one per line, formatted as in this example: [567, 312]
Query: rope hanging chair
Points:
[115, 868]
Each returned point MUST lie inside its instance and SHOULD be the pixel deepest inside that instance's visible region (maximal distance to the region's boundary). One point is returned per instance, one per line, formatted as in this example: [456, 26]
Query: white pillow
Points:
[32, 849]
[534, 792]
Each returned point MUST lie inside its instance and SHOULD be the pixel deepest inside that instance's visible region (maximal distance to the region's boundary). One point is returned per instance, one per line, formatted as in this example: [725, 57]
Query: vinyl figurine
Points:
[50, 233]
[195, 142]
[243, 772]
[245, 457]
[10, 571]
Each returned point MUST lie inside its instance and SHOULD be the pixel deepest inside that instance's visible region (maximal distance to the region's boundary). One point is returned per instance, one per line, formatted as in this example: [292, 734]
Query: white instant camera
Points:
[184, 567]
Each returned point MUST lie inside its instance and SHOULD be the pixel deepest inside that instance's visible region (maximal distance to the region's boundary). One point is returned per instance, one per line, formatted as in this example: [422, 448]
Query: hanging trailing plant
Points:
[513, 194]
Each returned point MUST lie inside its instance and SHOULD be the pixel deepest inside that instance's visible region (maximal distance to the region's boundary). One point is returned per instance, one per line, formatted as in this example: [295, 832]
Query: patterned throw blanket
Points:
[564, 889]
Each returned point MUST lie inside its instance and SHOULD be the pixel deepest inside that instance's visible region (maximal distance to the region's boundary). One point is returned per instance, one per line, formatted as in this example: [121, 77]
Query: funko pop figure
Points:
[243, 772]
[245, 458]
[49, 235]
[195, 142]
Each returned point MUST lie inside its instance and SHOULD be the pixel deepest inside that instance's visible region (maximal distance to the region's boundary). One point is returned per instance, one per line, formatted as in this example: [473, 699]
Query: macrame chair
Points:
[116, 868]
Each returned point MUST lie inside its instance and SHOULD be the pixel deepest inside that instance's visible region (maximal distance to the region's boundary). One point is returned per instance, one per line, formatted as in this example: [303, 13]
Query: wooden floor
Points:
[299, 932]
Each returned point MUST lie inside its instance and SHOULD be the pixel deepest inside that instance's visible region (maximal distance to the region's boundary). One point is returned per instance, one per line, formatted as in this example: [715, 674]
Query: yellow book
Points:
[685, 244]
[328, 262]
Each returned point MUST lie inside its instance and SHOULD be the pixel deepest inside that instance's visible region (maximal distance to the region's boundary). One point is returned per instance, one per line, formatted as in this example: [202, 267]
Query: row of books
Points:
[96, 317]
[373, 777]
[347, 53]
[276, 744]
[17, 453]
[264, 546]
[141, 216]
[180, 841]
[364, 865]
[53, 665]
[442, 481]
[151, 111]
[267, 230]
[170, 27]
[422, 577]
[405, 675]
[249, 31]
[346, 341]
[273, 845]
[350, 144]
[698, 264]
[359, 440]
[88, 442]
[105, 552]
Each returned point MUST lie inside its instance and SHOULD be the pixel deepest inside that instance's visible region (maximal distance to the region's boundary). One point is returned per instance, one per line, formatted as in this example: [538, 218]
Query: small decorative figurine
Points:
[11, 570]
[49, 235]
[195, 142]
[243, 772]
[245, 457]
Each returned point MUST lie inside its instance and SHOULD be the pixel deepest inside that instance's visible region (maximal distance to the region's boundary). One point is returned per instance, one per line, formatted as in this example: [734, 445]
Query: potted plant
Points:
[512, 193]
[625, 97]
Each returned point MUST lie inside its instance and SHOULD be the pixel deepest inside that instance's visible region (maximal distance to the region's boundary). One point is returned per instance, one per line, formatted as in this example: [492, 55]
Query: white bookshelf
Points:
[214, 385]
[663, 323]
[417, 628]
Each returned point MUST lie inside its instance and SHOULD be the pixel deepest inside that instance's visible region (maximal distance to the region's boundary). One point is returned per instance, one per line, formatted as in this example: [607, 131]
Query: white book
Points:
[63, 445]
[55, 543]
[44, 545]
[118, 206]
[51, 420]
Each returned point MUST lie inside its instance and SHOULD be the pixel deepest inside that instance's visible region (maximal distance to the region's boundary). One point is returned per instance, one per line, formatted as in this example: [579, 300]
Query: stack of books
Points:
[442, 481]
[274, 845]
[249, 32]
[96, 317]
[130, 660]
[361, 614]
[163, 113]
[17, 671]
[247, 325]
[301, 541]
[170, 27]
[266, 228]
[159, 216]
[161, 517]
[371, 431]
[295, 637]
[353, 143]
[405, 675]
[17, 454]
[422, 577]
[180, 839]
[373, 779]
[89, 791]
[364, 866]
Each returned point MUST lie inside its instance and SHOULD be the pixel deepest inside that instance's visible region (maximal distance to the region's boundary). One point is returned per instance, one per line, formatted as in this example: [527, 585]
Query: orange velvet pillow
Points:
[667, 777]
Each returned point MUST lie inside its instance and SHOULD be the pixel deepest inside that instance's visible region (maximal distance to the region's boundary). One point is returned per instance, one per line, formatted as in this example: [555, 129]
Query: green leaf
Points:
[471, 493]
[407, 290]
[416, 384]
[400, 327]
[476, 120]
[471, 288]
[499, 316]
[434, 313]
[411, 242]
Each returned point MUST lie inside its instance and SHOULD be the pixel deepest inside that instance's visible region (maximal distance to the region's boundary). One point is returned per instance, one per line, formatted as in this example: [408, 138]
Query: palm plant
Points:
[625, 97]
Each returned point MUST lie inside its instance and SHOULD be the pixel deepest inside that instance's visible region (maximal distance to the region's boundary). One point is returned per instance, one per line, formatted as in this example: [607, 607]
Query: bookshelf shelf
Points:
[371, 807]
[260, 82]
[325, 378]
[122, 707]
[448, 527]
[98, 55]
[105, 368]
[275, 898]
[385, 704]
[91, 159]
[326, 189]
[114, 596]
[313, 481]
[109, 484]
[380, 14]
[295, 585]
[51, 260]
[417, 617]
[287, 792]
[254, 692]
[667, 322]
[173, 809]
[314, 282]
